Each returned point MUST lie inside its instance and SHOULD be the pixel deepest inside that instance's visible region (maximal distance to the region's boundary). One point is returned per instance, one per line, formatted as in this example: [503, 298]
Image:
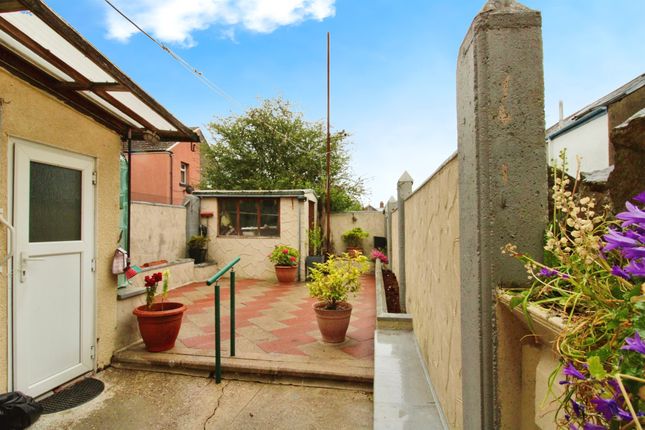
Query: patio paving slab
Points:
[135, 400]
[276, 335]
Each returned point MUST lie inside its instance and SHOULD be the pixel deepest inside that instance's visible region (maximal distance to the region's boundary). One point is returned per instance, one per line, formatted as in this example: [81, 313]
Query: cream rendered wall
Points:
[371, 221]
[31, 114]
[589, 141]
[254, 251]
[433, 283]
[158, 232]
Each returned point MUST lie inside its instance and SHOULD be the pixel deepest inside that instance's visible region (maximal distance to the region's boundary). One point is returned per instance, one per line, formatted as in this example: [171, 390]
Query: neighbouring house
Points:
[250, 224]
[64, 111]
[586, 133]
[161, 171]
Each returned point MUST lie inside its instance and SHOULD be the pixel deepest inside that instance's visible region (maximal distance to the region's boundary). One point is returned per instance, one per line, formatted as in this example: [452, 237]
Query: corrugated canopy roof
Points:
[39, 47]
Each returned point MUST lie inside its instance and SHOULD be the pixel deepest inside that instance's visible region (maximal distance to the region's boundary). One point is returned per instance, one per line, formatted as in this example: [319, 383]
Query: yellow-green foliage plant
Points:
[333, 281]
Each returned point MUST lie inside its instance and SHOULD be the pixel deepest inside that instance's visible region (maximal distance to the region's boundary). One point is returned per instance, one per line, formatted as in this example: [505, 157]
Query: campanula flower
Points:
[634, 215]
[570, 370]
[608, 408]
[634, 343]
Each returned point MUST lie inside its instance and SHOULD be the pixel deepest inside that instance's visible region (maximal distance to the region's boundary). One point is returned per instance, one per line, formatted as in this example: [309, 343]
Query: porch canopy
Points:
[39, 47]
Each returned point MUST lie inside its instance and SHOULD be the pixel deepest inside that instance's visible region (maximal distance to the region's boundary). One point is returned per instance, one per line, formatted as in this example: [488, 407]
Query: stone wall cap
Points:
[504, 6]
[405, 177]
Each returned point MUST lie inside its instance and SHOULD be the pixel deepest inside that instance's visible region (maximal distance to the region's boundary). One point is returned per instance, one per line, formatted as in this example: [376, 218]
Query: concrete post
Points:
[389, 209]
[502, 181]
[403, 191]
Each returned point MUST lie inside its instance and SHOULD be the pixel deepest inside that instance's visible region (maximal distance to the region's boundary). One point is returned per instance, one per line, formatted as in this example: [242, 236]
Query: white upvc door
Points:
[53, 281]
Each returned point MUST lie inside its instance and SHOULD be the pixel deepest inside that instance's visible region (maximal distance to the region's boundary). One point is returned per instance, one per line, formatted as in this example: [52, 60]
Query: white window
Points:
[183, 174]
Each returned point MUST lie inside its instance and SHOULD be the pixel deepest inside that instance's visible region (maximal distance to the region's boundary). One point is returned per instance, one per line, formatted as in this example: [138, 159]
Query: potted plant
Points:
[159, 323]
[285, 260]
[315, 245]
[331, 283]
[197, 248]
[354, 240]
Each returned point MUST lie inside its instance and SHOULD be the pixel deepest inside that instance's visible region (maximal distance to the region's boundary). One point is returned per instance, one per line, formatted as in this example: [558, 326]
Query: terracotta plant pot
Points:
[160, 325]
[353, 251]
[333, 324]
[286, 273]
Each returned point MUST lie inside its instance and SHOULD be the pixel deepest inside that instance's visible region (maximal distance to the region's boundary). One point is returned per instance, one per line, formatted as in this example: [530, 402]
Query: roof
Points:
[37, 46]
[596, 108]
[253, 193]
[157, 146]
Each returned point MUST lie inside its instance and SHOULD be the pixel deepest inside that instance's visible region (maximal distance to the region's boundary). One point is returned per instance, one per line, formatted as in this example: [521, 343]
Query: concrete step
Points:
[260, 368]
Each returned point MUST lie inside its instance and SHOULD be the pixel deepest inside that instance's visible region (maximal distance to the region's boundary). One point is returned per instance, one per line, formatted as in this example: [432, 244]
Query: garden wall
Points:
[432, 279]
[158, 232]
[371, 221]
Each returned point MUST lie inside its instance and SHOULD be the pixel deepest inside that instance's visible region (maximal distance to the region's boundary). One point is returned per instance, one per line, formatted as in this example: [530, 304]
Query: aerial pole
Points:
[328, 194]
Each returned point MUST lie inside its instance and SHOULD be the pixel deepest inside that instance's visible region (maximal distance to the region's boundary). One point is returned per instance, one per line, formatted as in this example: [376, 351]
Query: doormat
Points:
[73, 396]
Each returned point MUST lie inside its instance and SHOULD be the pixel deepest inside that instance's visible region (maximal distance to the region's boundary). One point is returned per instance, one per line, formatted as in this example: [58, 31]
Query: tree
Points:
[272, 148]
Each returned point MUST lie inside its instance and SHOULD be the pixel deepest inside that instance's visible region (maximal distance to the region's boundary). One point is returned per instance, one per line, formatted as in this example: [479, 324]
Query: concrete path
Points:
[276, 334]
[135, 400]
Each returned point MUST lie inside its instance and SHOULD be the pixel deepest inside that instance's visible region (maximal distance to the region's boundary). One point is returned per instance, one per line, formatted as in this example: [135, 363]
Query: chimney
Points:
[561, 116]
[381, 205]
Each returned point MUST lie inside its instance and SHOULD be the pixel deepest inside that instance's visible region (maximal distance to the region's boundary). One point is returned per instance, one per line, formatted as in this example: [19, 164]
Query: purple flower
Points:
[572, 426]
[634, 343]
[607, 407]
[592, 426]
[619, 272]
[570, 370]
[636, 268]
[624, 415]
[634, 215]
[578, 408]
[616, 239]
[640, 198]
[550, 273]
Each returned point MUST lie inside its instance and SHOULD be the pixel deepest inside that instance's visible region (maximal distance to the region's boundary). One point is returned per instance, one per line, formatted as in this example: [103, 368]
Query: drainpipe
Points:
[170, 154]
[129, 191]
[301, 199]
[403, 191]
[389, 210]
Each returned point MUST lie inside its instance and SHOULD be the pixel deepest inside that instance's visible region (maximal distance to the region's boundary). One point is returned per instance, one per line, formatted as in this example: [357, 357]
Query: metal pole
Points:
[129, 191]
[328, 197]
[218, 349]
[232, 313]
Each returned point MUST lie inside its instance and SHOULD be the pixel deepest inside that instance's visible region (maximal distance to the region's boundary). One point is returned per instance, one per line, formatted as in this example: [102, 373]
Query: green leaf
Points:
[516, 300]
[596, 370]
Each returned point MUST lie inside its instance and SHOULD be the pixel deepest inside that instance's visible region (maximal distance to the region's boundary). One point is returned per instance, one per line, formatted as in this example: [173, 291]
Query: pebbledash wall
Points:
[372, 222]
[254, 251]
[33, 115]
[432, 279]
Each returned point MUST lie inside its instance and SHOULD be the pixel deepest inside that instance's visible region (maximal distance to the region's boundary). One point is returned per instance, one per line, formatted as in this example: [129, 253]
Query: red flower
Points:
[285, 251]
[293, 259]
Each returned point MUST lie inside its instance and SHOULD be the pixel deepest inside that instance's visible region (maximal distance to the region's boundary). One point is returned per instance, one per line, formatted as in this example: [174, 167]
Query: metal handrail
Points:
[218, 349]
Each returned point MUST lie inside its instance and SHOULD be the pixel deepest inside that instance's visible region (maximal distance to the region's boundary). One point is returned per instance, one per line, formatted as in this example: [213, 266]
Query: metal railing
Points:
[218, 349]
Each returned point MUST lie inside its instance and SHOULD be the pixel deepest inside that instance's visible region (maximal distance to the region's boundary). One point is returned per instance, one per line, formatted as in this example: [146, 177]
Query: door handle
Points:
[23, 264]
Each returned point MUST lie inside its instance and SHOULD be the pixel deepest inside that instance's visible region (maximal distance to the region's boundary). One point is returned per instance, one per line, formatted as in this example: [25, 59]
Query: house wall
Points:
[589, 141]
[151, 177]
[158, 232]
[182, 153]
[254, 251]
[30, 114]
[371, 221]
[433, 282]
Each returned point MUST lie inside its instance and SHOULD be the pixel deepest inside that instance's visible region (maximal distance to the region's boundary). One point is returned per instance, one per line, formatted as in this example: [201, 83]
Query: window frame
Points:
[238, 233]
[183, 173]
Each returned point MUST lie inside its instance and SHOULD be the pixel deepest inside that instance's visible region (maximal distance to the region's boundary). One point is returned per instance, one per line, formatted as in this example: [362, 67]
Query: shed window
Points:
[249, 217]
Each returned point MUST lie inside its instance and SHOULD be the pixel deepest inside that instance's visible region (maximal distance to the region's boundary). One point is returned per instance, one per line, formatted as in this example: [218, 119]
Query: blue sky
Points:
[393, 64]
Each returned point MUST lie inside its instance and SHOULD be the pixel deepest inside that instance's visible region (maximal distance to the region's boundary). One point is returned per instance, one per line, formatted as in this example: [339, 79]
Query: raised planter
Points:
[386, 320]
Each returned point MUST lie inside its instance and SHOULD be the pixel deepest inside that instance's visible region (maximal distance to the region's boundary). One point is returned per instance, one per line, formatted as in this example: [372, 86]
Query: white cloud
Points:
[173, 21]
